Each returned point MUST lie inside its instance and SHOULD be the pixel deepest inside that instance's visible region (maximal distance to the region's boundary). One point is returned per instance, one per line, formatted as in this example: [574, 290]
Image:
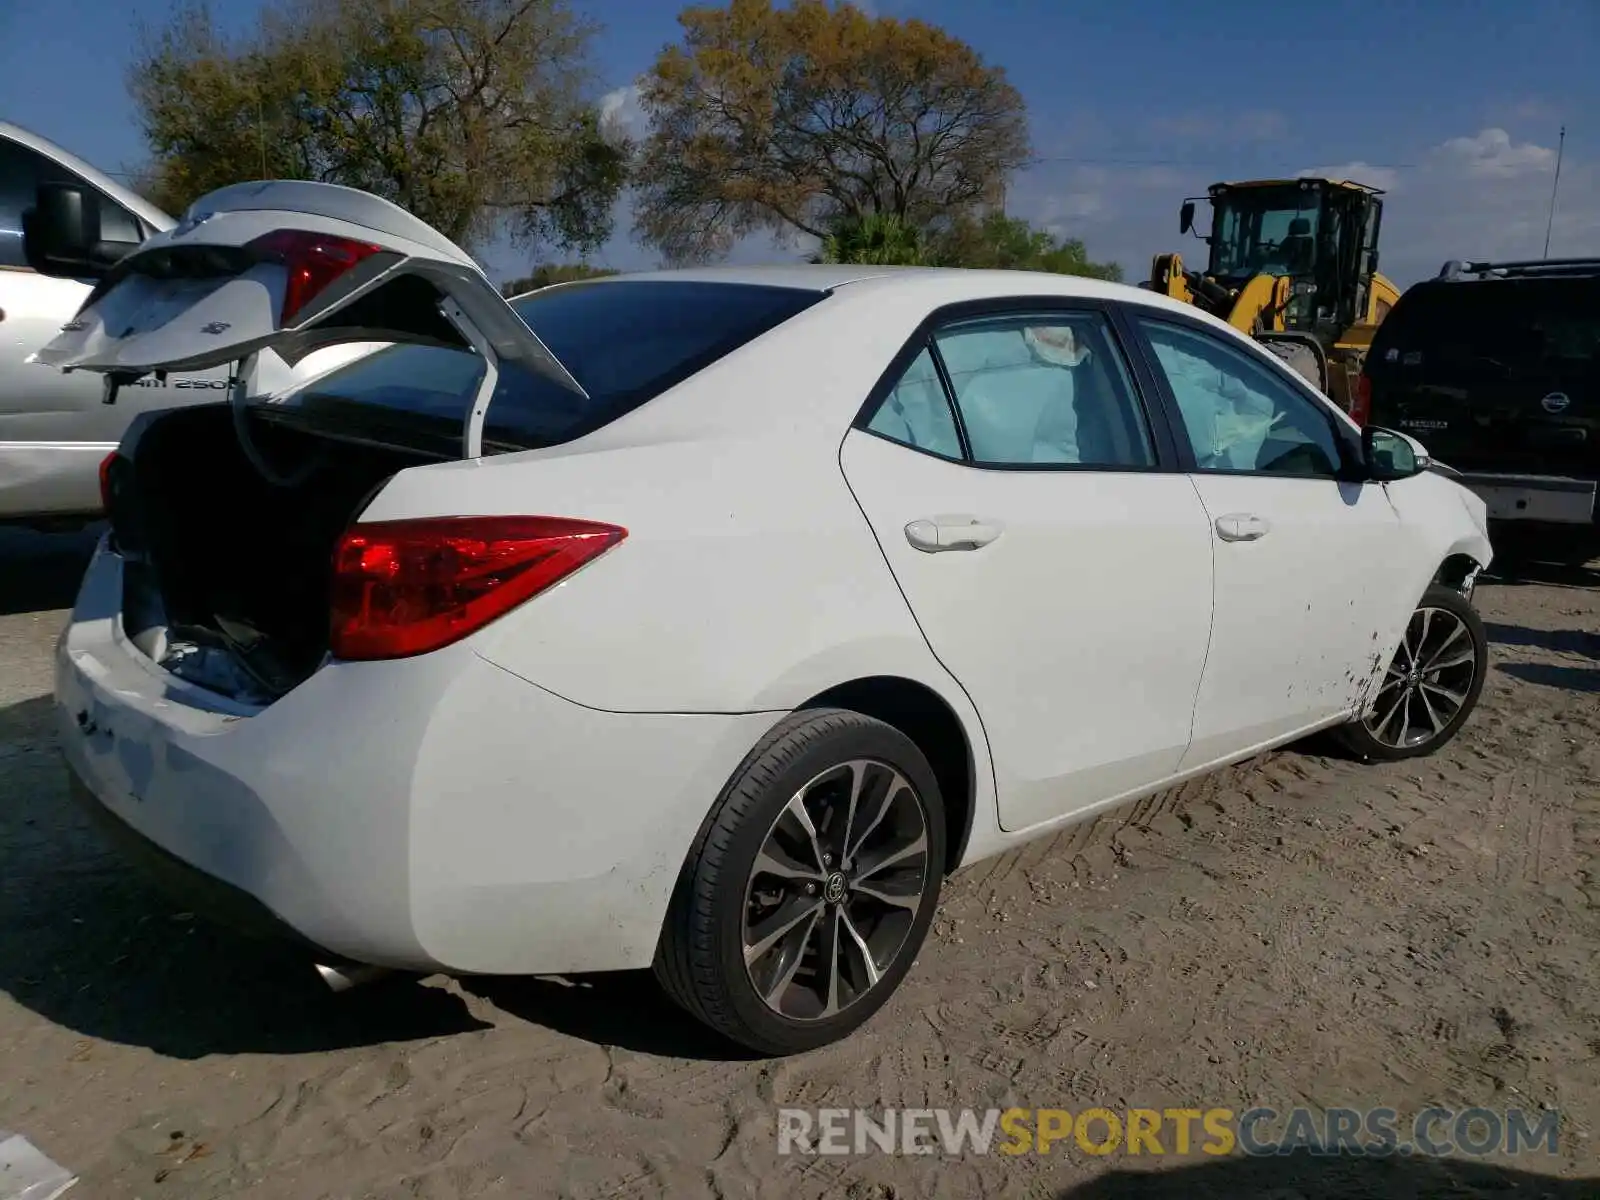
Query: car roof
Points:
[828, 277]
[939, 286]
[1486, 288]
[1461, 271]
[119, 192]
[979, 283]
[816, 277]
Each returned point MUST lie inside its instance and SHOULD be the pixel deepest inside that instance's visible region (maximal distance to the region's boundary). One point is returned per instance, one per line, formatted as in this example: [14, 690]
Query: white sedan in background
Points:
[708, 619]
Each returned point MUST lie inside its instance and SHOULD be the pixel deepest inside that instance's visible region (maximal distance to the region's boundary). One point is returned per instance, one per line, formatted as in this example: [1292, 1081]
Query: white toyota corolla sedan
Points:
[707, 619]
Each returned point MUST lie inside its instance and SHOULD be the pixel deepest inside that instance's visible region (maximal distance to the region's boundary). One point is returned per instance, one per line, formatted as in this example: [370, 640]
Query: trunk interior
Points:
[227, 575]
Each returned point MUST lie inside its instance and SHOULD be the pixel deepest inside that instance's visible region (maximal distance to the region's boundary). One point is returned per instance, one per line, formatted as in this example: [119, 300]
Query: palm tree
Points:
[878, 239]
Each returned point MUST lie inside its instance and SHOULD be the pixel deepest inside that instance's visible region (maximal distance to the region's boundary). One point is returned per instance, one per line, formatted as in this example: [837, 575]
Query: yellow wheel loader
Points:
[1294, 263]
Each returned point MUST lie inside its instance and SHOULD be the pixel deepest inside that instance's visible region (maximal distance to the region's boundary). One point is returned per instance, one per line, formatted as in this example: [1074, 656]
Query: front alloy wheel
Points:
[1432, 683]
[811, 887]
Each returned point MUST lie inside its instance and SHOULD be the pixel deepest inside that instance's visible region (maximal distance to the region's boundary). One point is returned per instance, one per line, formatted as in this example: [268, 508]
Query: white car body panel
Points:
[1296, 630]
[523, 800]
[1079, 633]
[366, 836]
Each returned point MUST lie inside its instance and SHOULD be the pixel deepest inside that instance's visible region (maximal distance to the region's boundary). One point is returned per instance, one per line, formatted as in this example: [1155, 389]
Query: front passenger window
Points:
[1239, 416]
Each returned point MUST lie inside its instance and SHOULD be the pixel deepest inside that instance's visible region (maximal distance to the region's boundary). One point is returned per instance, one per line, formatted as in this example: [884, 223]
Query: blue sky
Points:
[1453, 105]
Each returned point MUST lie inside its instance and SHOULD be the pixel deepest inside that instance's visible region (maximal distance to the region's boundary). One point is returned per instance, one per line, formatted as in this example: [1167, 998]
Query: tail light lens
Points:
[314, 260]
[1361, 406]
[107, 464]
[407, 587]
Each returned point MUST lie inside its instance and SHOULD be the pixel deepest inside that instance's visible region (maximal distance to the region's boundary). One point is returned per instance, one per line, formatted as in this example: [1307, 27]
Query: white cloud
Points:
[1487, 196]
[620, 111]
[1482, 195]
[1492, 154]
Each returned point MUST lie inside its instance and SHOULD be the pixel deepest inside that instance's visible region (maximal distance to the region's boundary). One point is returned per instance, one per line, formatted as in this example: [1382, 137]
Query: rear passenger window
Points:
[1047, 390]
[917, 413]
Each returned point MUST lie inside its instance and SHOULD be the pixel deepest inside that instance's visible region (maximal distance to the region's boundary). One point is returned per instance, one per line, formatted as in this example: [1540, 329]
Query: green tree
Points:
[1009, 243]
[795, 119]
[879, 239]
[549, 273]
[475, 115]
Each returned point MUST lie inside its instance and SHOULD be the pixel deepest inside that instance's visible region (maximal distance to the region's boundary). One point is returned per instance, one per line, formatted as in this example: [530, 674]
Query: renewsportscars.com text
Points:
[1380, 1132]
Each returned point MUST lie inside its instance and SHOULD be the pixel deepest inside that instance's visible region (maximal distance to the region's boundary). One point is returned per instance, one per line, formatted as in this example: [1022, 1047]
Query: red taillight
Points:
[314, 260]
[1361, 406]
[407, 587]
[105, 480]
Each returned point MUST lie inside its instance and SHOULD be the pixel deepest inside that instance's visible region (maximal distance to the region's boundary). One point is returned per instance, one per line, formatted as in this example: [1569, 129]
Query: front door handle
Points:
[1241, 527]
[933, 534]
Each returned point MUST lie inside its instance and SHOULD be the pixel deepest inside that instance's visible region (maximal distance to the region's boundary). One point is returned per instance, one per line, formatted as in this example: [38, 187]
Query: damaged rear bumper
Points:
[430, 813]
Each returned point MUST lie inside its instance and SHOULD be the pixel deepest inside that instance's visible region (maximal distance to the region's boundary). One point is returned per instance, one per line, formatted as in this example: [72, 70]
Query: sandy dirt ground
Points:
[1296, 930]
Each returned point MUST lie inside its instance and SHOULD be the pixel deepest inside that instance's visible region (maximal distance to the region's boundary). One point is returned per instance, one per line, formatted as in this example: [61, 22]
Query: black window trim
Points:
[918, 345]
[1347, 439]
[1156, 413]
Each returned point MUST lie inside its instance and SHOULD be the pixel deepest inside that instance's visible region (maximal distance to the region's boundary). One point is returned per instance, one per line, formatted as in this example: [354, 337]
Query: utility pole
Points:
[1561, 146]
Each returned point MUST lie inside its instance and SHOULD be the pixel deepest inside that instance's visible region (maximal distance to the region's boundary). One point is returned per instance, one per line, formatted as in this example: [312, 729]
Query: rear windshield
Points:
[1491, 329]
[625, 341]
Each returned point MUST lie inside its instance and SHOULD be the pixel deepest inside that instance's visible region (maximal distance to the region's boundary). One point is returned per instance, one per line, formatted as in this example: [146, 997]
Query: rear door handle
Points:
[934, 534]
[1241, 527]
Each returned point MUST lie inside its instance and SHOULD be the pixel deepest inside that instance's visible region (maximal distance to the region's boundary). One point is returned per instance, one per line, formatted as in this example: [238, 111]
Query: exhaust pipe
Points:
[342, 979]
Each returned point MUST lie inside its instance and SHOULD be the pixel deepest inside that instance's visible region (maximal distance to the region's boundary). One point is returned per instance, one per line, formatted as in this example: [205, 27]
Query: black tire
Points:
[1359, 737]
[1301, 359]
[700, 960]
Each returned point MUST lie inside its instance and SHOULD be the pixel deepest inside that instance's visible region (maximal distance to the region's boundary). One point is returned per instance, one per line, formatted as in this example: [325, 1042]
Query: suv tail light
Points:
[1361, 406]
[106, 465]
[407, 587]
[314, 261]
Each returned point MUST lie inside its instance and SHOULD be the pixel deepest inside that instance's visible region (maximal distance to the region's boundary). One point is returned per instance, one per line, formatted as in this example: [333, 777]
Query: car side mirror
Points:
[62, 233]
[1186, 217]
[1390, 455]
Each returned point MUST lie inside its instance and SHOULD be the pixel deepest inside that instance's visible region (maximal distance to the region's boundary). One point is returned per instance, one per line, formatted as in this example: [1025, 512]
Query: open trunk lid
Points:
[294, 267]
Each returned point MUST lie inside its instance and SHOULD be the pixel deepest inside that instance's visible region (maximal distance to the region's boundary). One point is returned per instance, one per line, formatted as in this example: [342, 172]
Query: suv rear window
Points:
[625, 341]
[1461, 331]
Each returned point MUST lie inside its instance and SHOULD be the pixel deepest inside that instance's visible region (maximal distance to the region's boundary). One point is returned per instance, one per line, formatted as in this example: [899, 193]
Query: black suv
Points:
[1495, 367]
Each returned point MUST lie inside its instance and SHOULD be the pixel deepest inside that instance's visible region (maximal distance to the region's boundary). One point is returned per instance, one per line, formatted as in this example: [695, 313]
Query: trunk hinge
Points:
[241, 386]
[472, 430]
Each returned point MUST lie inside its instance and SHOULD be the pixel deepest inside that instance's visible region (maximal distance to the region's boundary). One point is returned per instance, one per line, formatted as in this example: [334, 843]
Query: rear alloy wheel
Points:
[812, 886]
[1431, 686]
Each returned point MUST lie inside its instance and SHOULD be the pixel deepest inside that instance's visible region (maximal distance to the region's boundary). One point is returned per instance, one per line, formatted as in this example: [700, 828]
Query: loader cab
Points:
[1320, 233]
